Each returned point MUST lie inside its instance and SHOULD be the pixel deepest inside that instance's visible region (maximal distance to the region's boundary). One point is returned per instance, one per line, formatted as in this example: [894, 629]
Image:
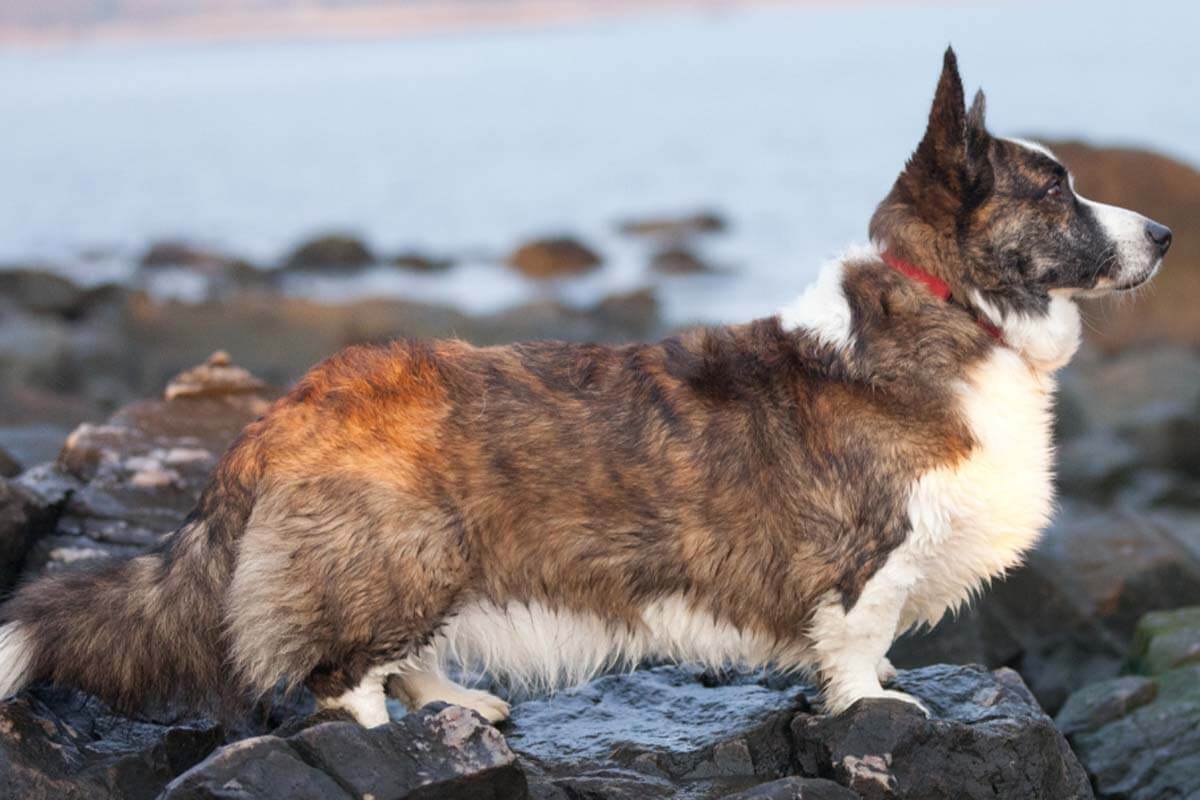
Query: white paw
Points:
[885, 671]
[487, 705]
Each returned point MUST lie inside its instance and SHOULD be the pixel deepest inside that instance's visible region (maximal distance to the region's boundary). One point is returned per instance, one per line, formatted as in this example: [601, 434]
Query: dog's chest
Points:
[974, 521]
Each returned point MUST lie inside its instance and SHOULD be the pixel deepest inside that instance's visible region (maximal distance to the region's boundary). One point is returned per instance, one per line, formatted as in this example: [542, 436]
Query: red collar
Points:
[937, 287]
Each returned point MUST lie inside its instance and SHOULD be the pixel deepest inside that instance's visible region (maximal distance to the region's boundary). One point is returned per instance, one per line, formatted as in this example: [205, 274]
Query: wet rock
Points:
[555, 257]
[629, 314]
[1094, 467]
[332, 253]
[181, 254]
[675, 228]
[445, 752]
[679, 261]
[25, 515]
[645, 734]
[986, 738]
[796, 789]
[1101, 703]
[420, 262]
[62, 745]
[1166, 640]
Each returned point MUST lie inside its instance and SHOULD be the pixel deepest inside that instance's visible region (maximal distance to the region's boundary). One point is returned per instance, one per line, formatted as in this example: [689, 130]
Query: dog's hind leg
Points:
[851, 644]
[362, 696]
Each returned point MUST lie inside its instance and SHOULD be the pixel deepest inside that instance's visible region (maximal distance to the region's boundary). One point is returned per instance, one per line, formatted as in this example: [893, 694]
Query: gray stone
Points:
[986, 738]
[797, 789]
[1102, 702]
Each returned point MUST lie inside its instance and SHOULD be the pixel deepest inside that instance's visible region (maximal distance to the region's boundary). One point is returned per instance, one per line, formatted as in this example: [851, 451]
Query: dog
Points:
[791, 493]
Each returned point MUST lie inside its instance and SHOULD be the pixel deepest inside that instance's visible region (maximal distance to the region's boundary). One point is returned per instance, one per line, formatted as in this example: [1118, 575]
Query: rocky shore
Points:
[1075, 677]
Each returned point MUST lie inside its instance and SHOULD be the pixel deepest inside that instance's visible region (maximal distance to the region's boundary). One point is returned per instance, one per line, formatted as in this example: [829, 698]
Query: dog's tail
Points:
[139, 630]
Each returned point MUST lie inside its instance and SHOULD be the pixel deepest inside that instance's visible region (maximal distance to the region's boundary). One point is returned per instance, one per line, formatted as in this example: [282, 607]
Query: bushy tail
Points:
[140, 630]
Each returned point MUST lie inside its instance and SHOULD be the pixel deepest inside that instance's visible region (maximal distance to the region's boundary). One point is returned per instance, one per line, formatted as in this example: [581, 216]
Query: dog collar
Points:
[938, 288]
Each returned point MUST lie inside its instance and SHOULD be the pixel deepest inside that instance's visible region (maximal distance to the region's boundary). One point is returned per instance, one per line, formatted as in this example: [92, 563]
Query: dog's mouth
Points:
[1140, 280]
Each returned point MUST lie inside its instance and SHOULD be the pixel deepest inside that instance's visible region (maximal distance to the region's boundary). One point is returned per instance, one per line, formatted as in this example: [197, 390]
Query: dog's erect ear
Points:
[944, 145]
[953, 155]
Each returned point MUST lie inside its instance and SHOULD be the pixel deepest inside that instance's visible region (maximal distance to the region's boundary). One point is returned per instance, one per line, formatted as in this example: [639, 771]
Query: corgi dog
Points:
[790, 493]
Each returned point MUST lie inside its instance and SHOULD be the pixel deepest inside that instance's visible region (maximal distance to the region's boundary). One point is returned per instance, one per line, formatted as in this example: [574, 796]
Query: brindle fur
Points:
[750, 469]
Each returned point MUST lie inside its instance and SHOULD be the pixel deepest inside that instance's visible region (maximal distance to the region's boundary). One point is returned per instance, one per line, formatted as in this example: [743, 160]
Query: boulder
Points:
[796, 789]
[1168, 191]
[9, 467]
[555, 257]
[986, 738]
[674, 228]
[679, 260]
[444, 752]
[651, 732]
[56, 744]
[330, 253]
[1139, 735]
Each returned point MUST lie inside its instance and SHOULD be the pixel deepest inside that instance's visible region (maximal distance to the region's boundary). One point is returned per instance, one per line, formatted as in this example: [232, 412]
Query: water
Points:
[791, 121]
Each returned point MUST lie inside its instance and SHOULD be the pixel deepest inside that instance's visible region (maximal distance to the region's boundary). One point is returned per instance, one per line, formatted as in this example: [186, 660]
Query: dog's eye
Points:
[1054, 190]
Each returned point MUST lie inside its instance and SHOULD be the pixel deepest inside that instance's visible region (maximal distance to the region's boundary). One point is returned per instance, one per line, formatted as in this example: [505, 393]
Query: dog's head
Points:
[999, 219]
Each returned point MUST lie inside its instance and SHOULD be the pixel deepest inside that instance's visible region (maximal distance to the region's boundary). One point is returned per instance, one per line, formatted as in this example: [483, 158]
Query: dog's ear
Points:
[950, 169]
[943, 147]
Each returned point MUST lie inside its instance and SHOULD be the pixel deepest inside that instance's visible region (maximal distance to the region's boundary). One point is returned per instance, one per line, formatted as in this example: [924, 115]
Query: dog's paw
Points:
[904, 697]
[885, 671]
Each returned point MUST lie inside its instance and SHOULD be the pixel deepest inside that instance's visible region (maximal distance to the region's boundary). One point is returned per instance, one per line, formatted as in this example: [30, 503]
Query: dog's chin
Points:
[1123, 283]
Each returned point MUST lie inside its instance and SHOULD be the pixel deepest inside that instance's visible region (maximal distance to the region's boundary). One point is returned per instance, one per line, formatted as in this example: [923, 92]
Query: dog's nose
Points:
[1160, 235]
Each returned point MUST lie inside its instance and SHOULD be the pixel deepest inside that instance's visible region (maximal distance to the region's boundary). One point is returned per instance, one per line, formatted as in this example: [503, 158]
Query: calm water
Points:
[793, 122]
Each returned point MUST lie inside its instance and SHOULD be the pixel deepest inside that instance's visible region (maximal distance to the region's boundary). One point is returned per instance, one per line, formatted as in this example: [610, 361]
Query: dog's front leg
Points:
[851, 644]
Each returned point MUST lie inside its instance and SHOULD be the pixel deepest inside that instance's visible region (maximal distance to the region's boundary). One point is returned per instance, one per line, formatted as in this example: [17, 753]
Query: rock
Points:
[1166, 640]
[445, 752]
[986, 738]
[679, 261]
[1165, 190]
[42, 292]
[334, 252]
[216, 376]
[9, 467]
[644, 734]
[555, 257]
[25, 515]
[419, 262]
[629, 314]
[1101, 703]
[796, 789]
[180, 254]
[61, 745]
[674, 228]
[1095, 466]
[124, 484]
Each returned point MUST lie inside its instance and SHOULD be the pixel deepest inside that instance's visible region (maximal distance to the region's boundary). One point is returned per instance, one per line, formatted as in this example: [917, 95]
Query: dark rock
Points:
[42, 292]
[1166, 640]
[1101, 703]
[1152, 751]
[9, 468]
[419, 262]
[58, 744]
[679, 261]
[25, 515]
[335, 252]
[1094, 467]
[555, 257]
[675, 228]
[647, 733]
[986, 738]
[124, 484]
[181, 254]
[796, 789]
[628, 314]
[445, 752]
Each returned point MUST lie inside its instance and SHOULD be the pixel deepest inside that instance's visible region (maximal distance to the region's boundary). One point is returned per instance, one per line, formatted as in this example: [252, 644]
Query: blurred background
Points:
[281, 178]
[234, 162]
